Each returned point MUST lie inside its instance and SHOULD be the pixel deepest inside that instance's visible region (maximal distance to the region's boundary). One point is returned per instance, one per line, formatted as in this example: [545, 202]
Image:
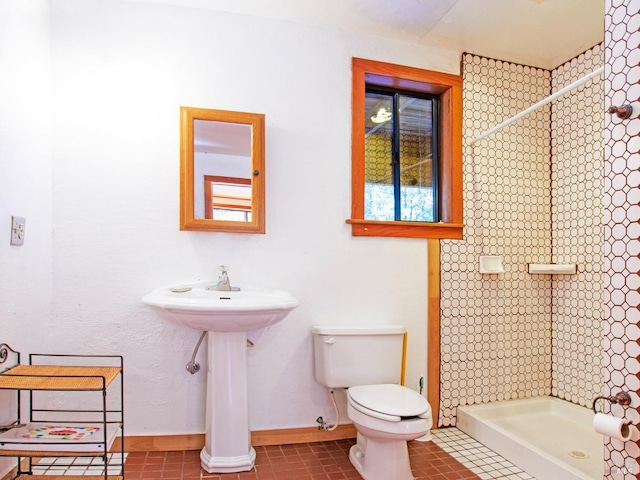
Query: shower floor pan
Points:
[549, 438]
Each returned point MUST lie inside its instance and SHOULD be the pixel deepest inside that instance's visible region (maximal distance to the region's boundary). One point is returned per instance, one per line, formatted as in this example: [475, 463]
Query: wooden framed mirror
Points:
[222, 184]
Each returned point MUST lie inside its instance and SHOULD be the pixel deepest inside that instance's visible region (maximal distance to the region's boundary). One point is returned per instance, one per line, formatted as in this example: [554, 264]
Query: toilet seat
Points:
[389, 402]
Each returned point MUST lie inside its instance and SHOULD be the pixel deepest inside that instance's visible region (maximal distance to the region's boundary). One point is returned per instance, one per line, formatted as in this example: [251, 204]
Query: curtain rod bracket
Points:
[623, 111]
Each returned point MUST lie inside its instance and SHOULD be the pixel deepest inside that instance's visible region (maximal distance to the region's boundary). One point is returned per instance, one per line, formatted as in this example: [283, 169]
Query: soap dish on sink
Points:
[180, 289]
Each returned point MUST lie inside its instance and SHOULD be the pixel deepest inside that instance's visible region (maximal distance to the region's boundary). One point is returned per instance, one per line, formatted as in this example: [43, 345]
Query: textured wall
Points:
[622, 231]
[97, 178]
[25, 181]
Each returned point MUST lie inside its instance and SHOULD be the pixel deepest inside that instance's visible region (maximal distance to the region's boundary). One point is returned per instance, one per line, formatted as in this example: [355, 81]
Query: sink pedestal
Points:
[228, 438]
[227, 316]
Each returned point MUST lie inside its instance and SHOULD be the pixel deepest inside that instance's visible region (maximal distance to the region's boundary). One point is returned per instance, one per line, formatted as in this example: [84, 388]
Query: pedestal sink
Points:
[227, 316]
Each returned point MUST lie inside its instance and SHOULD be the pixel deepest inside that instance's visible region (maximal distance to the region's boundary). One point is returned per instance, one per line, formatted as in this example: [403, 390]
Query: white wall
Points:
[119, 73]
[25, 181]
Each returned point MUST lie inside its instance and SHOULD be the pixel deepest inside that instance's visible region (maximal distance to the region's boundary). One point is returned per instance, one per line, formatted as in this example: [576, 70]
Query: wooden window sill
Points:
[373, 228]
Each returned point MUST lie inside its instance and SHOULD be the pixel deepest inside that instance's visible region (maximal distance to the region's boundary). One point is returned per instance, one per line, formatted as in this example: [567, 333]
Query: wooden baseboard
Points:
[259, 438]
[10, 475]
[14, 471]
[159, 443]
[262, 438]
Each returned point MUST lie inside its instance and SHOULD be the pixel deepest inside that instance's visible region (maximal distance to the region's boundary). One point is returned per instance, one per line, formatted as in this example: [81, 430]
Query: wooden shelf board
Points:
[55, 377]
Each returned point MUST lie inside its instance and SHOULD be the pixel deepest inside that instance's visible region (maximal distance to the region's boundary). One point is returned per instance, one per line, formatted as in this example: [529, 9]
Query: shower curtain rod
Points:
[541, 103]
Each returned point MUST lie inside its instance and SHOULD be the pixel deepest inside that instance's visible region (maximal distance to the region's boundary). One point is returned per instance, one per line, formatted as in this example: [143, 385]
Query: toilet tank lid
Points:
[358, 329]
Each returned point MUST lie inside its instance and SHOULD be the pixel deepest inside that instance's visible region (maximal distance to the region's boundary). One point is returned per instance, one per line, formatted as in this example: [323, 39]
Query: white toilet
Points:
[368, 362]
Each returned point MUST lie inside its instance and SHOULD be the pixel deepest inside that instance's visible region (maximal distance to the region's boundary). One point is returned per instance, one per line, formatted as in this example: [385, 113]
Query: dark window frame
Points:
[395, 94]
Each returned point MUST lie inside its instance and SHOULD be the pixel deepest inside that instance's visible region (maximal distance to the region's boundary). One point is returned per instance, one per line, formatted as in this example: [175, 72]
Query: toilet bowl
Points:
[386, 417]
[367, 361]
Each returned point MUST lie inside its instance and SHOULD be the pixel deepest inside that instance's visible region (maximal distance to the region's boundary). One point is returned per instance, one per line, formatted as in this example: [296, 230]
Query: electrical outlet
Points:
[17, 230]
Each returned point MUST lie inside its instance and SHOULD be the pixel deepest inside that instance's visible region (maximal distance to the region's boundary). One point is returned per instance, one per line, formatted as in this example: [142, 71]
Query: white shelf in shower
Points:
[552, 268]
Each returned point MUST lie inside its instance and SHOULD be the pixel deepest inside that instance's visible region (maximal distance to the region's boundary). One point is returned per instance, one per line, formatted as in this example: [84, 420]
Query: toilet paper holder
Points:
[620, 398]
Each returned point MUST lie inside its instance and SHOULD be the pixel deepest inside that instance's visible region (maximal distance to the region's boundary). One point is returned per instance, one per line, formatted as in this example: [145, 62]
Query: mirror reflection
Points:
[222, 171]
[222, 177]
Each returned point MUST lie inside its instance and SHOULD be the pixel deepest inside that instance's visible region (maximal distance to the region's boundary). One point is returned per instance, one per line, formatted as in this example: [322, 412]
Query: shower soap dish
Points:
[491, 264]
[552, 268]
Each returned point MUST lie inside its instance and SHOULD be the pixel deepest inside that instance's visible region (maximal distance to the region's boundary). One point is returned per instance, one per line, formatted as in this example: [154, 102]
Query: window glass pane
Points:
[379, 193]
[410, 197]
[416, 159]
[378, 202]
[231, 215]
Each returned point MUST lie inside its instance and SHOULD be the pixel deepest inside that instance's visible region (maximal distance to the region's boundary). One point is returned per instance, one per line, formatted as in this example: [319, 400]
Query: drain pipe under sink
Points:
[193, 366]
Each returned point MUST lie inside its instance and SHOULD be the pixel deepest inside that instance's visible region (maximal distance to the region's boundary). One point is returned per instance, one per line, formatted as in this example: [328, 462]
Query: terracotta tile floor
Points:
[307, 461]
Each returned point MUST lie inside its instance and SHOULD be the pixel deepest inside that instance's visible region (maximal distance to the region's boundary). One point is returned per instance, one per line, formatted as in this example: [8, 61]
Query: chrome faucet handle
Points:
[223, 279]
[224, 284]
[224, 274]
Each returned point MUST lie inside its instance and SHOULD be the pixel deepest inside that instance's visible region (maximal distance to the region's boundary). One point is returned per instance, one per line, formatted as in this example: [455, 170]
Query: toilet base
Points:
[381, 460]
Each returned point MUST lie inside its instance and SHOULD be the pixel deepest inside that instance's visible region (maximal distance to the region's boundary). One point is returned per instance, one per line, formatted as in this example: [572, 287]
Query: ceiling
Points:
[540, 33]
[222, 138]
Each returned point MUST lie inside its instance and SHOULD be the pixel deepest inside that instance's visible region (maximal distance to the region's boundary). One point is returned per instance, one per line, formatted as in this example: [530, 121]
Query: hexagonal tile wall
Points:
[530, 197]
[622, 230]
[577, 187]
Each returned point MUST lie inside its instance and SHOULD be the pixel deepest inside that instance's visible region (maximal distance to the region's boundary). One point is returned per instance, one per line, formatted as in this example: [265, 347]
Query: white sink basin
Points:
[250, 308]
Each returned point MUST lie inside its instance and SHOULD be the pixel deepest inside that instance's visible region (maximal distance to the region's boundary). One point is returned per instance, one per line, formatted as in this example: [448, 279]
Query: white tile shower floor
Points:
[482, 461]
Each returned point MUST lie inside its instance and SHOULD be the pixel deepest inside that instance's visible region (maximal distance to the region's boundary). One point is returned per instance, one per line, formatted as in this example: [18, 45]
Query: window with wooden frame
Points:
[406, 152]
[227, 198]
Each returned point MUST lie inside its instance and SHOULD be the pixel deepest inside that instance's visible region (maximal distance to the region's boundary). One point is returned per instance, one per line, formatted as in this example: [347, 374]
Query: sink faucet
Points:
[223, 285]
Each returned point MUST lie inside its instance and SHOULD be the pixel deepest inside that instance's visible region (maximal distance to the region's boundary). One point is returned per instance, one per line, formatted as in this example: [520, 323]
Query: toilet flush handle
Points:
[330, 341]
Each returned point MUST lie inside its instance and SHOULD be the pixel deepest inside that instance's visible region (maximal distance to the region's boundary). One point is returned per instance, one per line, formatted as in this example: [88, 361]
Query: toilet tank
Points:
[358, 355]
